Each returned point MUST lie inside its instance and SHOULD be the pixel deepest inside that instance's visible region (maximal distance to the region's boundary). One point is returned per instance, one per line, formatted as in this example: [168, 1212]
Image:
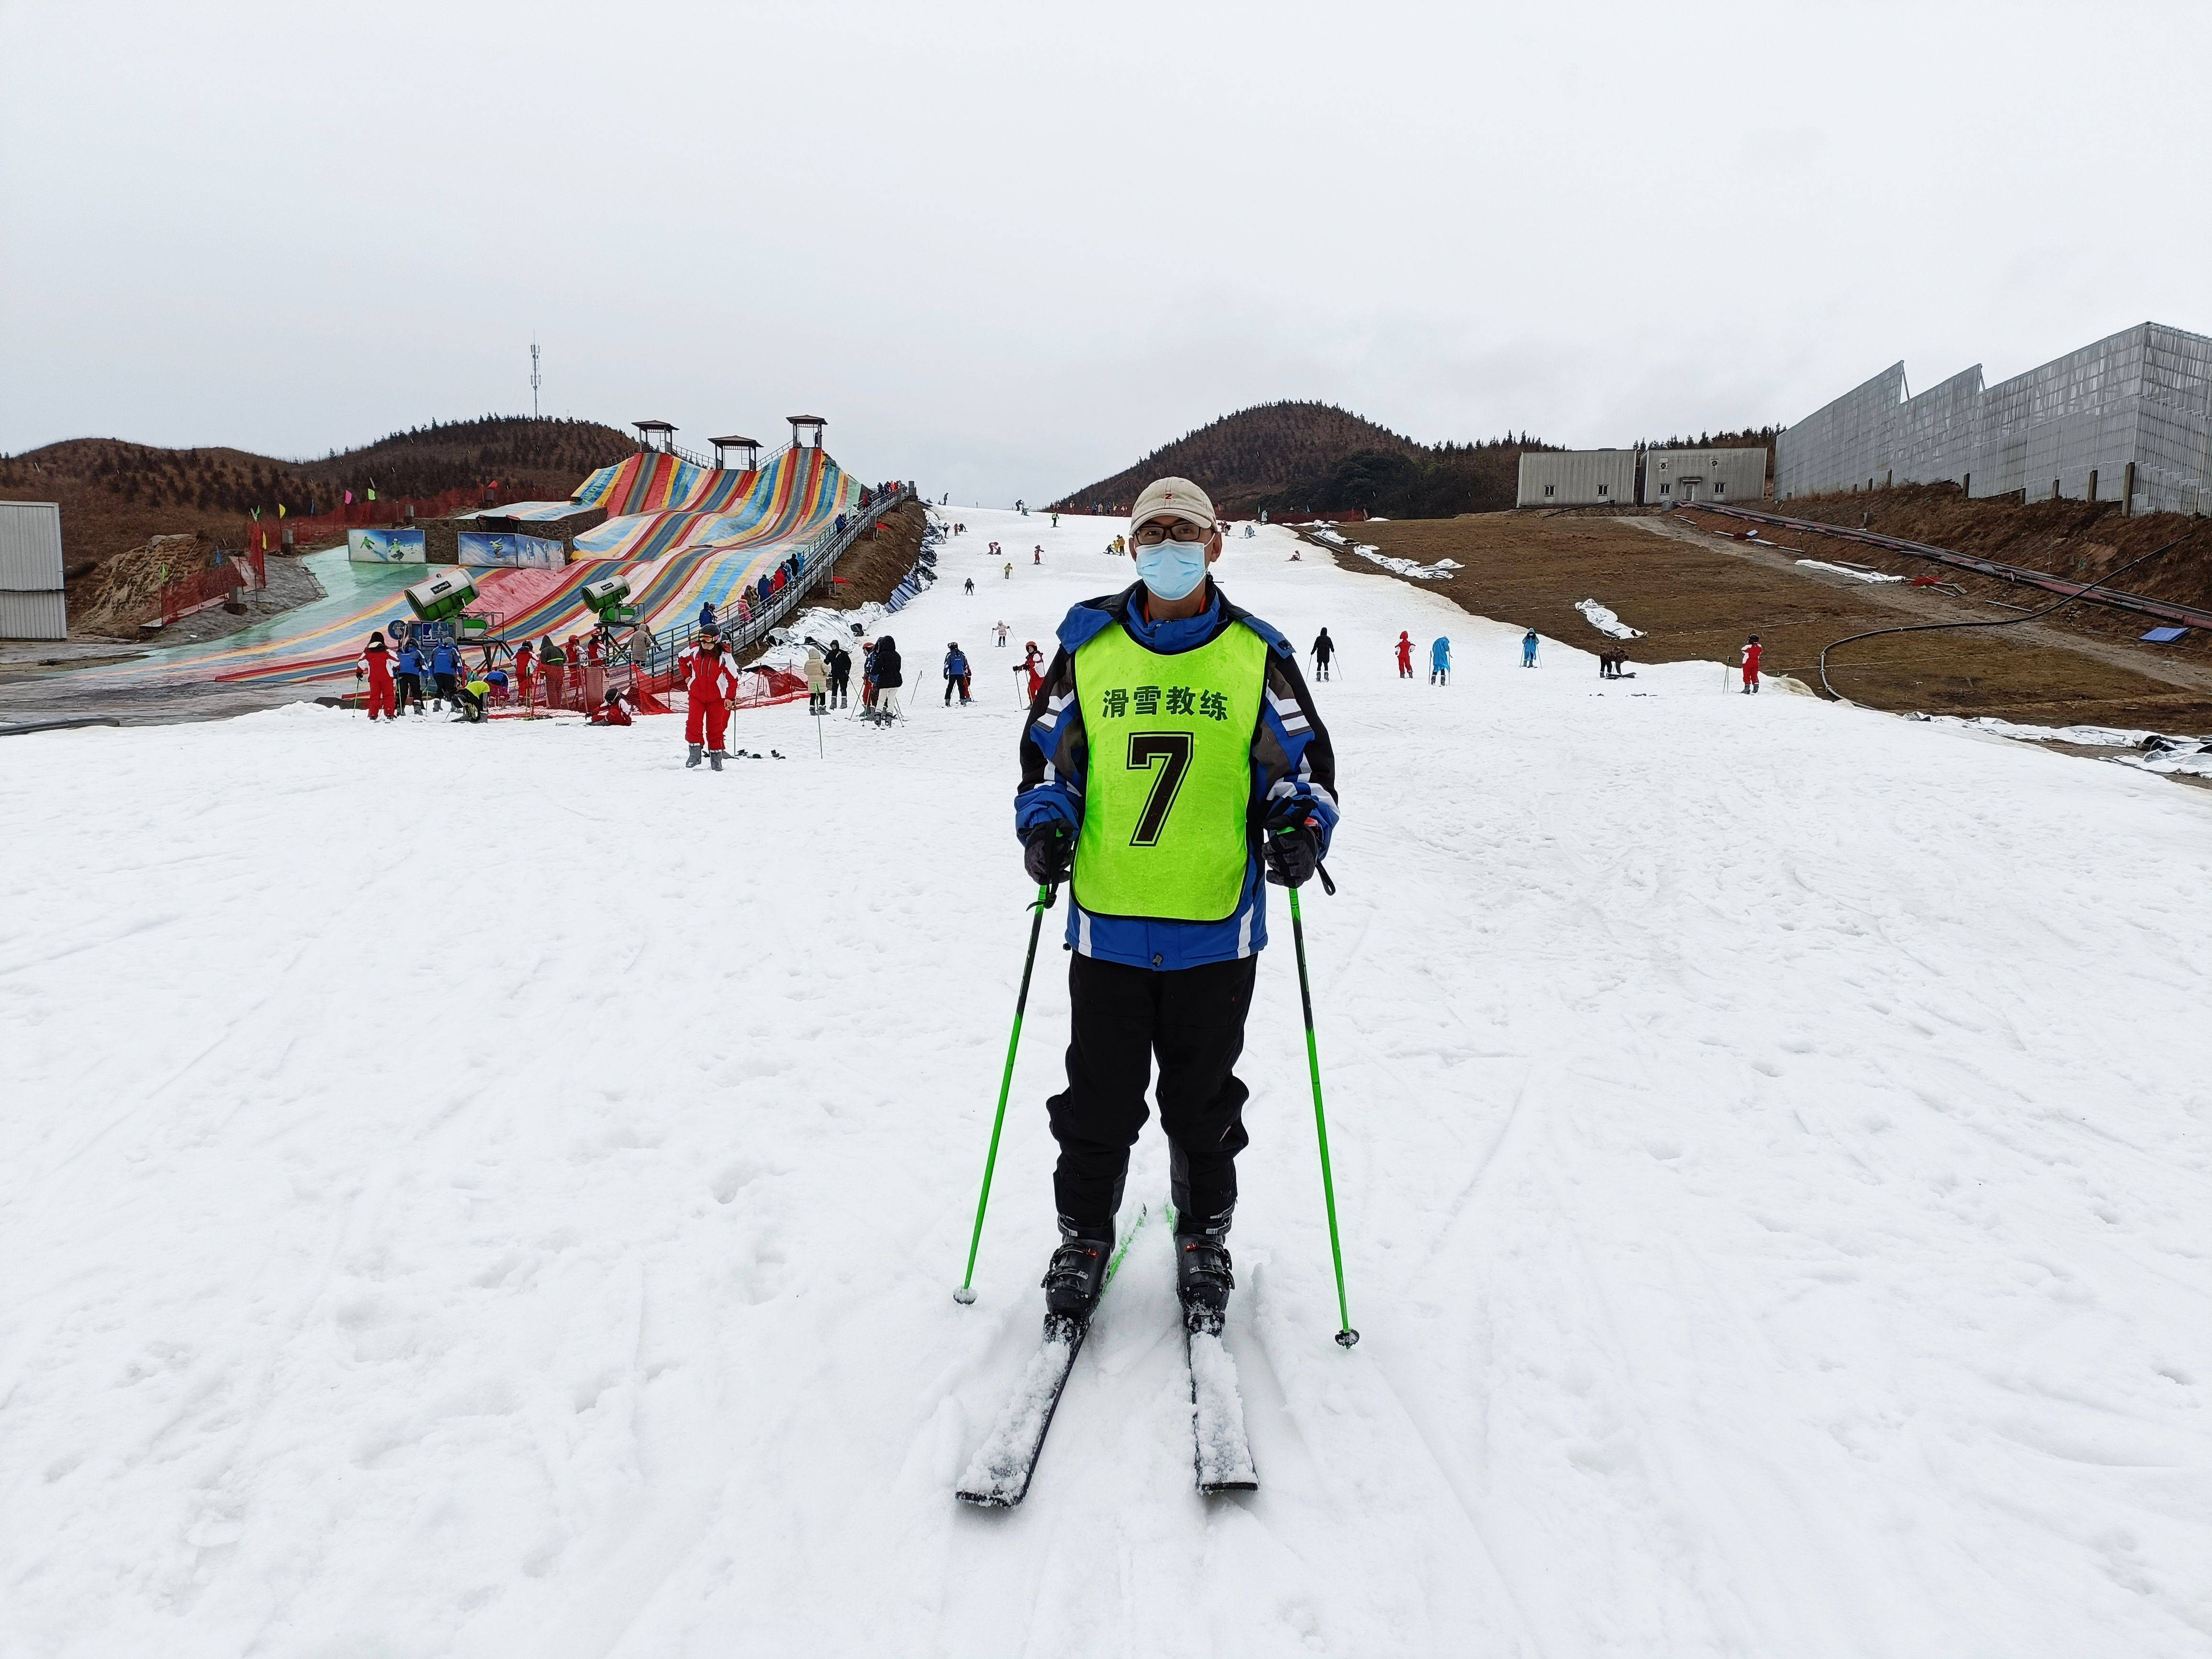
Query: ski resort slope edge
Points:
[487, 1190]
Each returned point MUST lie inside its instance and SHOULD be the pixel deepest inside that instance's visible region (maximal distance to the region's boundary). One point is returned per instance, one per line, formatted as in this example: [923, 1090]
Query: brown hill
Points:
[117, 495]
[1308, 457]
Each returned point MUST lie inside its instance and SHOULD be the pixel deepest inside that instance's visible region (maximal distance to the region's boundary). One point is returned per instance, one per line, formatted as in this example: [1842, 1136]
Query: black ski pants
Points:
[445, 688]
[1193, 1019]
[411, 691]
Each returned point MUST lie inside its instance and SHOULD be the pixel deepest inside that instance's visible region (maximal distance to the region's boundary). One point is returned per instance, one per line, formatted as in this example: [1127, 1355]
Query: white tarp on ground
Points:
[1771, 1140]
[1602, 618]
[1852, 571]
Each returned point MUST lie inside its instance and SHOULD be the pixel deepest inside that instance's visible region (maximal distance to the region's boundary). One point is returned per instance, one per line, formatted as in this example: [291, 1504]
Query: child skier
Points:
[1752, 653]
[1529, 649]
[1405, 655]
[376, 664]
[1323, 649]
[1032, 665]
[410, 676]
[1440, 662]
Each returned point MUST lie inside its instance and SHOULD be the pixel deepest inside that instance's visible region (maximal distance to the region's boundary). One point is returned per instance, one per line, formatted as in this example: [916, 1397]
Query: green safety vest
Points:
[1166, 806]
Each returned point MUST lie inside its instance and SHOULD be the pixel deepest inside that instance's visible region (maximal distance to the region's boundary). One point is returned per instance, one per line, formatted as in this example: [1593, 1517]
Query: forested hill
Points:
[115, 494]
[1288, 457]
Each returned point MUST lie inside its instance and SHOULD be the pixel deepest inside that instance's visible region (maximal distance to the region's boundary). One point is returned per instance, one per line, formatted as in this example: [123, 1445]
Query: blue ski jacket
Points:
[1293, 761]
[410, 661]
[444, 659]
[1440, 655]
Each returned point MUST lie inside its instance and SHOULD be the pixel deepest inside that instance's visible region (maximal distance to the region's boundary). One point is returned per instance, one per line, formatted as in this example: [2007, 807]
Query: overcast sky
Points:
[1005, 250]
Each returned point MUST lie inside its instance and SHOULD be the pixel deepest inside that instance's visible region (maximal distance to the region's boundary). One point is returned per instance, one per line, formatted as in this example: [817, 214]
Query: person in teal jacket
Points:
[1440, 662]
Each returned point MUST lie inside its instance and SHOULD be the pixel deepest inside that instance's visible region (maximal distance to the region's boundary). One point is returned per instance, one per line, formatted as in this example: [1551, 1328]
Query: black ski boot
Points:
[1203, 1279]
[1076, 1278]
[714, 758]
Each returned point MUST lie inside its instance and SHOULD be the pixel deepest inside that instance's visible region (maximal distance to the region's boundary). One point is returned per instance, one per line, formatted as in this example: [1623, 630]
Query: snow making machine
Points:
[609, 599]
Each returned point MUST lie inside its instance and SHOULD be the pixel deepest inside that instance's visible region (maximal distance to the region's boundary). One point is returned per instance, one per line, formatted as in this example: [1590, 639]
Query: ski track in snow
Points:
[486, 1191]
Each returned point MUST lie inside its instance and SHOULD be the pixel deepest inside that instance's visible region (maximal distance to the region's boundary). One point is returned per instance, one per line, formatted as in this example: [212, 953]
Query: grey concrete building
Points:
[1672, 476]
[1577, 478]
[2126, 419]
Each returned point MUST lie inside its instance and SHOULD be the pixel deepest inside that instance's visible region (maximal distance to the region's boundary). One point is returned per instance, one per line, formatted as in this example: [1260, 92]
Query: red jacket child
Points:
[376, 663]
[1752, 651]
[1405, 655]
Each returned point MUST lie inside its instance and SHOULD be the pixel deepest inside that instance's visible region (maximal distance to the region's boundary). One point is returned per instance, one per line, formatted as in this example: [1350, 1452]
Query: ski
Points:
[998, 1474]
[1220, 1450]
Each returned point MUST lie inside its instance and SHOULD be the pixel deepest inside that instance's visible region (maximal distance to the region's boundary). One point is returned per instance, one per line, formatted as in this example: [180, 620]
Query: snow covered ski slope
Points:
[488, 1191]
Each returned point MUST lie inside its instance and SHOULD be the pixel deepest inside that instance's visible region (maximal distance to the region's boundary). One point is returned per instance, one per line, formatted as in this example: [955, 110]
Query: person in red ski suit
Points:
[1752, 651]
[525, 672]
[1033, 666]
[611, 711]
[376, 663]
[710, 681]
[1405, 656]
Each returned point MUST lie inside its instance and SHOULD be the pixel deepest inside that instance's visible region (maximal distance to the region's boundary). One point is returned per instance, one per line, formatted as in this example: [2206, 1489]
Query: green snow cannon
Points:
[443, 597]
[606, 596]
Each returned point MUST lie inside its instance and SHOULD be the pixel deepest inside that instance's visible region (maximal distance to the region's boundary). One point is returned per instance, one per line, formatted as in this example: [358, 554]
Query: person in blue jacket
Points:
[1529, 649]
[407, 675]
[445, 664]
[955, 674]
[1440, 662]
[1213, 776]
[707, 623]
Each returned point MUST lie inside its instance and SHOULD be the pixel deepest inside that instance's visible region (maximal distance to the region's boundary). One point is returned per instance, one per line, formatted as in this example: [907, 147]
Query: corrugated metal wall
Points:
[1577, 478]
[2073, 426]
[32, 615]
[30, 546]
[31, 602]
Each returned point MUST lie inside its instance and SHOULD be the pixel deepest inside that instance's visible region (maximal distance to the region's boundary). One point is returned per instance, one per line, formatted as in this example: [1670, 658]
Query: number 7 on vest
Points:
[1145, 748]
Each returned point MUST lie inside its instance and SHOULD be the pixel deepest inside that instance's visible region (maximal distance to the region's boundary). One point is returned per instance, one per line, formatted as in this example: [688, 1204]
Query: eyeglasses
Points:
[1151, 535]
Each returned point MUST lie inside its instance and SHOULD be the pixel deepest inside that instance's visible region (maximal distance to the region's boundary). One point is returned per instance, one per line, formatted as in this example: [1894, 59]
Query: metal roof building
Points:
[2128, 419]
[1577, 478]
[31, 605]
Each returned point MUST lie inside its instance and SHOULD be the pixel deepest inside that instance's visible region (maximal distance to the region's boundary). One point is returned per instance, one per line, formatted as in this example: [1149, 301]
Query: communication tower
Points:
[534, 377]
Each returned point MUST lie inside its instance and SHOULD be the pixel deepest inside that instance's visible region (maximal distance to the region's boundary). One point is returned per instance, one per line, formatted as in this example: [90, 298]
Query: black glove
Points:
[1291, 847]
[1049, 854]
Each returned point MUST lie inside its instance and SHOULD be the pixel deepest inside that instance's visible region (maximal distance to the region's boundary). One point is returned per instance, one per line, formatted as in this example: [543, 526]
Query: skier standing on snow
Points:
[445, 664]
[1529, 649]
[841, 675]
[1212, 769]
[1405, 655]
[818, 675]
[1032, 664]
[710, 683]
[885, 670]
[1002, 635]
[971, 586]
[376, 663]
[1323, 649]
[1752, 651]
[1440, 662]
[1009, 570]
[409, 678]
[955, 674]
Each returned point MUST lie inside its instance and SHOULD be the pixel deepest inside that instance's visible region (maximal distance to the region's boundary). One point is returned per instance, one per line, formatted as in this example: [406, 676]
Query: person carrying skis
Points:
[1405, 655]
[955, 674]
[376, 664]
[710, 683]
[1323, 649]
[1440, 662]
[1752, 651]
[1214, 771]
[1529, 649]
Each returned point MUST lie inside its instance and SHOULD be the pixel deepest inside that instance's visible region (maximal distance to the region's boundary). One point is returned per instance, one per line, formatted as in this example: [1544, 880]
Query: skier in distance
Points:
[1752, 651]
[1440, 661]
[1323, 649]
[1214, 772]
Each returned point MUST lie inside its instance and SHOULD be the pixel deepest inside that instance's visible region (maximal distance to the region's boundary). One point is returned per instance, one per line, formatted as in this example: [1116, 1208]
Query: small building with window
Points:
[1577, 478]
[1673, 477]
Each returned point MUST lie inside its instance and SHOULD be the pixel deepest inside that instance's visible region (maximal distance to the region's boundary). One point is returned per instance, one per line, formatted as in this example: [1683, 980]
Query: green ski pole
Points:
[966, 1293]
[1345, 1336]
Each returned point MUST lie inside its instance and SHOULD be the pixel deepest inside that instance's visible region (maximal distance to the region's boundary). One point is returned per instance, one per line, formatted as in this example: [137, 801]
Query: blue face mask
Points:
[1172, 569]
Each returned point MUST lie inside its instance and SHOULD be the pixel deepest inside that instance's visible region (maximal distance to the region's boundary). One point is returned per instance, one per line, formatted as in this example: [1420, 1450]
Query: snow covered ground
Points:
[486, 1191]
